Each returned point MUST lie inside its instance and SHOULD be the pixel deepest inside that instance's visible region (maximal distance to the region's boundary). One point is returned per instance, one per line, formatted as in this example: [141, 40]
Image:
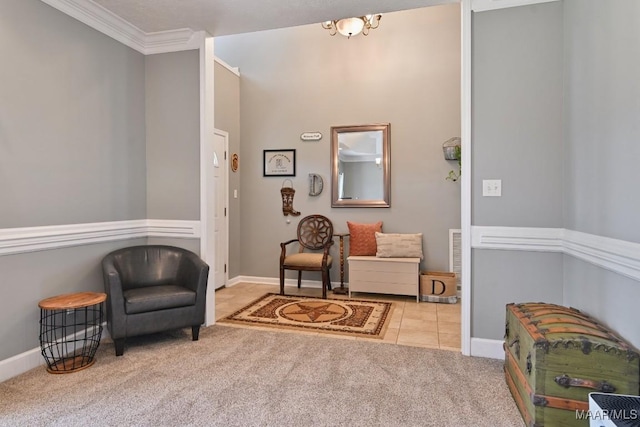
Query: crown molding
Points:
[172, 41]
[234, 70]
[484, 5]
[110, 24]
[619, 256]
[31, 239]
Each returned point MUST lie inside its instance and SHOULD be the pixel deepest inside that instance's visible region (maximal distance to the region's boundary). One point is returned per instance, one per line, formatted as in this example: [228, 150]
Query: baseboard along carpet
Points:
[343, 317]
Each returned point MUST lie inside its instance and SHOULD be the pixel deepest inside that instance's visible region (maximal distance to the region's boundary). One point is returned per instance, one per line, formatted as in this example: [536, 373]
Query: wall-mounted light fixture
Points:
[353, 26]
[451, 148]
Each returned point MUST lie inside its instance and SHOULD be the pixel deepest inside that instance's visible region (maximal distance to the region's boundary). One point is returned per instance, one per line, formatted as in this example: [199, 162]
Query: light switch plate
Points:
[492, 187]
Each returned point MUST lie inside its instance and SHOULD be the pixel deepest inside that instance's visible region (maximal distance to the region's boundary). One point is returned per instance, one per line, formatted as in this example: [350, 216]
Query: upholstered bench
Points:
[395, 276]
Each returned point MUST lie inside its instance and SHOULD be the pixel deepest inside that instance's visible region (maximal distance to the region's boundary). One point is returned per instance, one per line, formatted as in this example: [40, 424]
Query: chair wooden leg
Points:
[281, 281]
[325, 277]
[195, 332]
[119, 343]
[299, 278]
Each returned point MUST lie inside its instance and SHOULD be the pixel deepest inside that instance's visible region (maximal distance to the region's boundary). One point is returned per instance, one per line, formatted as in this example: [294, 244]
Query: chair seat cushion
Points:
[152, 298]
[306, 259]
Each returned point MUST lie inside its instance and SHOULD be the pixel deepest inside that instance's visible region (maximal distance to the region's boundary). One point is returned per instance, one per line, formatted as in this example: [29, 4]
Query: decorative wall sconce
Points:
[451, 148]
[353, 26]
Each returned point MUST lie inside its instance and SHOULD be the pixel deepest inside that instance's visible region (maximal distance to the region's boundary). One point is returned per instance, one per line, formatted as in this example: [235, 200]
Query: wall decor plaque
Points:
[311, 136]
[235, 162]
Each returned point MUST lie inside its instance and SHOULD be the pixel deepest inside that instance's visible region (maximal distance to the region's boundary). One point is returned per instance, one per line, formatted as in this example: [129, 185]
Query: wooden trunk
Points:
[555, 356]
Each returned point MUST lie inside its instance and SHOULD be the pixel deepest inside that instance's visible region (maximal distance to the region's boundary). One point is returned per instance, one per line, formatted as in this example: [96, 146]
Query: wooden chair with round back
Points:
[315, 233]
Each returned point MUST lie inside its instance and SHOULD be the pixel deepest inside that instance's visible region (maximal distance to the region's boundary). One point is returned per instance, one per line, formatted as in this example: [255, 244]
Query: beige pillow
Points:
[393, 245]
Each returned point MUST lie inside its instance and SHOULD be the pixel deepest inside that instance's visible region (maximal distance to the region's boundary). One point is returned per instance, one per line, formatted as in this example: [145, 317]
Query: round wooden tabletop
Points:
[70, 301]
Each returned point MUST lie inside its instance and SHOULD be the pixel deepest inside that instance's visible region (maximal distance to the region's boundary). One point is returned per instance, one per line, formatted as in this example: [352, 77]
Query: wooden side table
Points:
[342, 290]
[70, 330]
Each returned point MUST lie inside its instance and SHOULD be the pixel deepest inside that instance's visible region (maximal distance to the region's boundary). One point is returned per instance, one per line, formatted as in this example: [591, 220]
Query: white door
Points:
[219, 231]
[215, 245]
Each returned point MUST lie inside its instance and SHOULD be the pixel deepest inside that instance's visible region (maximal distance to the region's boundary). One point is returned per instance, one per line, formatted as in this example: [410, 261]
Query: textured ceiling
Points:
[223, 17]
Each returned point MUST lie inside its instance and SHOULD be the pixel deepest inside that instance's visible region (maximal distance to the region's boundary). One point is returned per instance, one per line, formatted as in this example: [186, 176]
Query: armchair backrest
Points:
[149, 265]
[315, 232]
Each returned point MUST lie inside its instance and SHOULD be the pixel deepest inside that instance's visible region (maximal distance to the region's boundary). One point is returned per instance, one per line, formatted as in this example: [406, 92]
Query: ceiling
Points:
[224, 17]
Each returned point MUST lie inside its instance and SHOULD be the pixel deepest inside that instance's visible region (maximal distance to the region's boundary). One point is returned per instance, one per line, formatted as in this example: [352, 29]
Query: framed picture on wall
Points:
[279, 162]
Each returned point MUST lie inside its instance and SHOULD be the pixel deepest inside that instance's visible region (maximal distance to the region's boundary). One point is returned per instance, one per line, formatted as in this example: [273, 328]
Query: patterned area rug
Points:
[344, 317]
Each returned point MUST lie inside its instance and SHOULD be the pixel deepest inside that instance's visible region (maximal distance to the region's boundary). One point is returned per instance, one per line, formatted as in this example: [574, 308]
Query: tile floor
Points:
[421, 324]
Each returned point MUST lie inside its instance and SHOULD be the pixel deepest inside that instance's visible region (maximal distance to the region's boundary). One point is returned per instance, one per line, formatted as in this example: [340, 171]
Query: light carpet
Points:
[245, 377]
[344, 317]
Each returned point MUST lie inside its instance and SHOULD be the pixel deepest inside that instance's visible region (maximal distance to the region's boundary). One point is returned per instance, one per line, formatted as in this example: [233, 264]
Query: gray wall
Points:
[300, 79]
[602, 89]
[517, 137]
[227, 118]
[555, 112]
[517, 115]
[72, 135]
[29, 278]
[72, 150]
[605, 295]
[602, 112]
[502, 277]
[173, 135]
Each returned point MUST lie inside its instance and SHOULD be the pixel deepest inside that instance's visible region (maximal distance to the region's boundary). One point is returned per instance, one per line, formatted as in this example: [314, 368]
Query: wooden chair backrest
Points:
[315, 232]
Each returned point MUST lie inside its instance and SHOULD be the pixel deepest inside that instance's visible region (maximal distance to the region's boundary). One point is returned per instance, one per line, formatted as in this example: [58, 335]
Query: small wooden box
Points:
[555, 356]
[437, 283]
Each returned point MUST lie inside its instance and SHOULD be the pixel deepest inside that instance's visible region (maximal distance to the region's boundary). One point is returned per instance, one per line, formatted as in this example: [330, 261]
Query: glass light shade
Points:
[350, 26]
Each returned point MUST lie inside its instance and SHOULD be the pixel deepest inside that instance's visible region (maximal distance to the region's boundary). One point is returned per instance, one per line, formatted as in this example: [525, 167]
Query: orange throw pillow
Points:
[362, 238]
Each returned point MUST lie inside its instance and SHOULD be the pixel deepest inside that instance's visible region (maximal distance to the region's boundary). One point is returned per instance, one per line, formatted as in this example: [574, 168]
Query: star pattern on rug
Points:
[313, 312]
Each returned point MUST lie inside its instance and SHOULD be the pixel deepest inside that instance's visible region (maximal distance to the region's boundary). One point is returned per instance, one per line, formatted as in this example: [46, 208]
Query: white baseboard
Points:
[492, 349]
[31, 359]
[20, 364]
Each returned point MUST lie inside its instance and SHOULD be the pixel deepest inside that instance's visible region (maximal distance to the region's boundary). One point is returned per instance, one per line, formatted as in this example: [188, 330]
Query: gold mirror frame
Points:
[385, 164]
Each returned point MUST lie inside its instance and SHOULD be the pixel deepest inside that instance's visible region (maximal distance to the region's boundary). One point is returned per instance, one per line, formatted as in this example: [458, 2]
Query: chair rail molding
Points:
[517, 238]
[483, 5]
[110, 24]
[619, 256]
[30, 239]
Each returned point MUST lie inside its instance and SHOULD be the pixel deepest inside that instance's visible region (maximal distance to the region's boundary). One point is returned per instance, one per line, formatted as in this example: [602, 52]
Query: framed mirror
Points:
[360, 166]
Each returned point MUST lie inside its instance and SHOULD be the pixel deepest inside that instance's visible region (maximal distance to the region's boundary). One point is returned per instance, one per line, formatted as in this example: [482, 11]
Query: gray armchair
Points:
[153, 288]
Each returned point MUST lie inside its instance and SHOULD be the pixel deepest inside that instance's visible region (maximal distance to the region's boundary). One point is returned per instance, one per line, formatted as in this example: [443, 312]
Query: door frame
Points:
[465, 193]
[207, 126]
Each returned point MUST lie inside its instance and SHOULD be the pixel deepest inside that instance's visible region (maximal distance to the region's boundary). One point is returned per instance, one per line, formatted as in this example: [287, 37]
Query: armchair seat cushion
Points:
[306, 259]
[152, 298]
